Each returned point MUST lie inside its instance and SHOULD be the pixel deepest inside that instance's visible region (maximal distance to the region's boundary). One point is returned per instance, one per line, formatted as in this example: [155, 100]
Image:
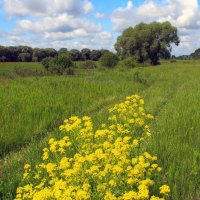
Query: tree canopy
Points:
[147, 41]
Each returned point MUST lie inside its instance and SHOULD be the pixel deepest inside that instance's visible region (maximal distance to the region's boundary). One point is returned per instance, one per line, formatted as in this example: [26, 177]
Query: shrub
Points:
[89, 64]
[129, 62]
[46, 62]
[109, 59]
[64, 61]
[105, 163]
[59, 65]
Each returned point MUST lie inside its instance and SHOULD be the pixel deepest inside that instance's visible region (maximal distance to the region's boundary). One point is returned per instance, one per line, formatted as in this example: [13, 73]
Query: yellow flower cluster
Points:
[107, 163]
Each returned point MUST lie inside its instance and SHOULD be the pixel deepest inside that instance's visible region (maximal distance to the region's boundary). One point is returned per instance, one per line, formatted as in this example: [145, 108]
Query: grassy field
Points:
[10, 66]
[32, 108]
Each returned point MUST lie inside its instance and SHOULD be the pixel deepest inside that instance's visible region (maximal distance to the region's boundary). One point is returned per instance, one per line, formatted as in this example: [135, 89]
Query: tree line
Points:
[143, 43]
[29, 54]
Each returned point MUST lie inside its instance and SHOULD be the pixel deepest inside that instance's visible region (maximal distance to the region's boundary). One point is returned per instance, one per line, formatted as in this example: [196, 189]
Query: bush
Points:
[46, 62]
[129, 62]
[89, 64]
[109, 59]
[59, 65]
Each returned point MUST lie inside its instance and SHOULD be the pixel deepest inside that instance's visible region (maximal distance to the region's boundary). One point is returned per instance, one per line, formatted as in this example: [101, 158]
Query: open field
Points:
[10, 66]
[32, 108]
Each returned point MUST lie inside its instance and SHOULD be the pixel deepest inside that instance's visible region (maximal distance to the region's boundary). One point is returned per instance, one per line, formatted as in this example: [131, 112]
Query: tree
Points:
[147, 41]
[75, 55]
[3, 53]
[86, 53]
[63, 51]
[39, 54]
[12, 53]
[109, 59]
[24, 57]
[196, 54]
[95, 55]
[50, 52]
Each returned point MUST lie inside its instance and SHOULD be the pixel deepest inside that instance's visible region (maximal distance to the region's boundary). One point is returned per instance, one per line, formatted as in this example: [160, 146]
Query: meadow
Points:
[32, 108]
[11, 66]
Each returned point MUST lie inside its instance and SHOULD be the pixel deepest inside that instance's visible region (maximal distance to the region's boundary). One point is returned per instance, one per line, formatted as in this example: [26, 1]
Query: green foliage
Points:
[46, 62]
[24, 57]
[95, 55]
[109, 59]
[129, 62]
[88, 64]
[147, 41]
[196, 54]
[86, 54]
[59, 65]
[75, 55]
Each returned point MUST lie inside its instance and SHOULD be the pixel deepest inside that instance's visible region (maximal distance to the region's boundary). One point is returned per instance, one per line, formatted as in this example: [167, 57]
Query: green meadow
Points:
[33, 107]
[11, 66]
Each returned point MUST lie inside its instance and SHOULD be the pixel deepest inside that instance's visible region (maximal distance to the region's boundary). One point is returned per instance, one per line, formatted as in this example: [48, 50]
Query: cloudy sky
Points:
[93, 23]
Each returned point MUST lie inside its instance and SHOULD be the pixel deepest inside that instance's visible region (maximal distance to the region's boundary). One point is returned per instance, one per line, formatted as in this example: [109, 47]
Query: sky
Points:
[93, 24]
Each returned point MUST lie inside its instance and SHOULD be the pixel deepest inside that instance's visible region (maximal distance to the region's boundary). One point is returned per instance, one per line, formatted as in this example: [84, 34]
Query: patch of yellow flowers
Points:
[107, 163]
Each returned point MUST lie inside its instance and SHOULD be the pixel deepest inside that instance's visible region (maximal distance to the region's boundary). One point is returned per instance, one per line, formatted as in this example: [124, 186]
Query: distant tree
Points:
[63, 51]
[75, 55]
[39, 54]
[103, 51]
[24, 57]
[109, 59]
[3, 53]
[50, 52]
[2, 59]
[12, 53]
[147, 41]
[86, 54]
[25, 49]
[95, 55]
[196, 54]
[184, 57]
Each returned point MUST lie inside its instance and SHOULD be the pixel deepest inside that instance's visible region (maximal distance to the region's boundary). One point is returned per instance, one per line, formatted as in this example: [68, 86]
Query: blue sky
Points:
[93, 23]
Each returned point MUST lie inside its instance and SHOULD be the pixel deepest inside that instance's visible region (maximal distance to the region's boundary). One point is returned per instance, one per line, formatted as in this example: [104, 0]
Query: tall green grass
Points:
[32, 109]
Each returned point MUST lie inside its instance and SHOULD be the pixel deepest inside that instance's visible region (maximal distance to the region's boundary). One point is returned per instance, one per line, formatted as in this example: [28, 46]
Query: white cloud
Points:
[88, 7]
[22, 8]
[65, 35]
[181, 13]
[100, 15]
[105, 35]
[61, 23]
[53, 19]
[55, 23]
